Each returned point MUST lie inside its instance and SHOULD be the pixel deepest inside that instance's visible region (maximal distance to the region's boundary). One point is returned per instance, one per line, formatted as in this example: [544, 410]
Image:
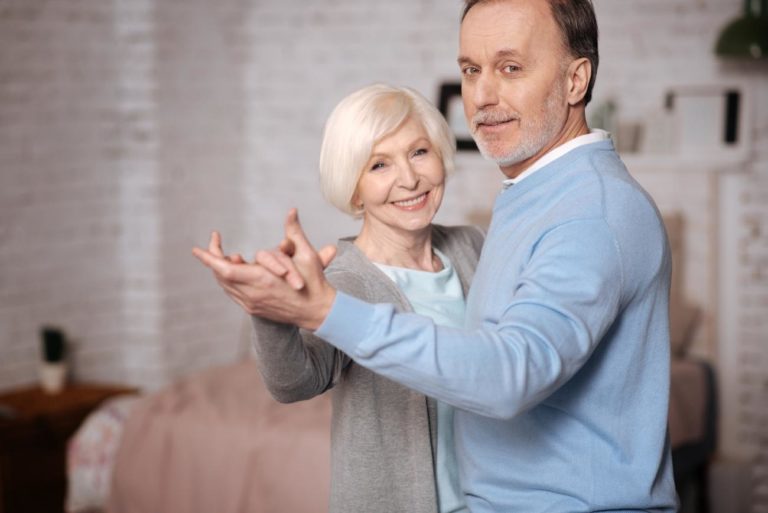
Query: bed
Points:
[214, 441]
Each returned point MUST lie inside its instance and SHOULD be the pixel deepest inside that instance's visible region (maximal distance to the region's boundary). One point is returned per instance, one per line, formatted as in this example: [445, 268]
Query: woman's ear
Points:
[578, 75]
[356, 201]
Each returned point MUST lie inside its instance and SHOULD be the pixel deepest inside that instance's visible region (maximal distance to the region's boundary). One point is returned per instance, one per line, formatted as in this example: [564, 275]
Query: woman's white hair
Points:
[360, 121]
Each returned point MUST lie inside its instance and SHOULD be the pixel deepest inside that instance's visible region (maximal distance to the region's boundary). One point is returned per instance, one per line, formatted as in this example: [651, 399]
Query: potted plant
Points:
[53, 368]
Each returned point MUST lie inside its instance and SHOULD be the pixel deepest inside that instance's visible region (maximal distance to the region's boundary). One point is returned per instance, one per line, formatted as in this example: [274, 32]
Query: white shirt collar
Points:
[593, 136]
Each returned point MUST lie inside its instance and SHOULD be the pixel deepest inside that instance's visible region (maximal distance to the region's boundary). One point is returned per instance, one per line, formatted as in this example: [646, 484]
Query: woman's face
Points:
[401, 187]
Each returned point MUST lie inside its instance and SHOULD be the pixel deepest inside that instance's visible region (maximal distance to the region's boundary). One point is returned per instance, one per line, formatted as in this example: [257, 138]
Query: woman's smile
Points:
[413, 203]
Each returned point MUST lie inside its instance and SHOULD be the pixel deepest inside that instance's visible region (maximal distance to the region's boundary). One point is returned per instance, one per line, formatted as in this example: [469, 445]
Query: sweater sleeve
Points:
[554, 314]
[294, 363]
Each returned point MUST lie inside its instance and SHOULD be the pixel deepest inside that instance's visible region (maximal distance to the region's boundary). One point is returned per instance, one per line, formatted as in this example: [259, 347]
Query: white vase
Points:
[53, 377]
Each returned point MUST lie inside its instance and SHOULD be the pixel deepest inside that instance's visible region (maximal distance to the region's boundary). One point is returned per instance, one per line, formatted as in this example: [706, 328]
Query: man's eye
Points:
[469, 70]
[511, 68]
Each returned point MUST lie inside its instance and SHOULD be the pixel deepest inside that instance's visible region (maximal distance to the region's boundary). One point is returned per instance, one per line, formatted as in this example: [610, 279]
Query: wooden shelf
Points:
[33, 443]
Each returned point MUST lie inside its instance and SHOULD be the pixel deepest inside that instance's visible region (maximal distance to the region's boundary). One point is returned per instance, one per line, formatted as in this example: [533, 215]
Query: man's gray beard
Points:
[521, 152]
[534, 136]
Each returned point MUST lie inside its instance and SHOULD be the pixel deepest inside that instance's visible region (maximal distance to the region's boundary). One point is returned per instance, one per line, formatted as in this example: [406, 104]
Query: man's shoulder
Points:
[600, 184]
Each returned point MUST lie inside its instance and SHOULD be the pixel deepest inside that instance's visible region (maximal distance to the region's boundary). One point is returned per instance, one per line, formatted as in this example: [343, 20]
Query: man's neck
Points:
[574, 127]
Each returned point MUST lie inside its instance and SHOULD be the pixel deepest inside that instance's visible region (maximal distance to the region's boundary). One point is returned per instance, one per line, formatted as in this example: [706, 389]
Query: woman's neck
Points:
[409, 249]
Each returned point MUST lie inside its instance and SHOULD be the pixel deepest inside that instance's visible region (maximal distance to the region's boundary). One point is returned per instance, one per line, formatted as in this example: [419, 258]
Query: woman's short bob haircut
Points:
[360, 121]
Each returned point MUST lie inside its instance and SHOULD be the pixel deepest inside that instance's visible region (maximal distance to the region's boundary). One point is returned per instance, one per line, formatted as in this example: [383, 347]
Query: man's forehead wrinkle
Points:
[492, 47]
[517, 28]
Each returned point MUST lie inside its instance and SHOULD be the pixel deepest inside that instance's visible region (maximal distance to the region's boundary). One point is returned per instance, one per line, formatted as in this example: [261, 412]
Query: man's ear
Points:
[578, 75]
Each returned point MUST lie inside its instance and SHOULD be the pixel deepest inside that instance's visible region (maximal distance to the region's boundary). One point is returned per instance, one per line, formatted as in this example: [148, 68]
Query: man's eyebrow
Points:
[508, 52]
[501, 54]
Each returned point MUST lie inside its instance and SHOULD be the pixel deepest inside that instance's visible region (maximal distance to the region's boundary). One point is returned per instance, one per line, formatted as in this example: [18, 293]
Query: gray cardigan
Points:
[383, 434]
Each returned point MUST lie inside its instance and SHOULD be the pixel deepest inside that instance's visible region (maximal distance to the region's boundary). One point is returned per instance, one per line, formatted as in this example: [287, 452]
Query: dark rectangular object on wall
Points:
[448, 104]
[707, 117]
[732, 103]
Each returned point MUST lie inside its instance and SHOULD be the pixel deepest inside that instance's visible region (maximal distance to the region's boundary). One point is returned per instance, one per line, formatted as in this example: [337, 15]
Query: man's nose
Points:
[485, 91]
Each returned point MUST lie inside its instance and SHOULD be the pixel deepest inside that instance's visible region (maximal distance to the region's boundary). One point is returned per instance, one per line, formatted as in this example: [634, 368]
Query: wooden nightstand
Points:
[33, 443]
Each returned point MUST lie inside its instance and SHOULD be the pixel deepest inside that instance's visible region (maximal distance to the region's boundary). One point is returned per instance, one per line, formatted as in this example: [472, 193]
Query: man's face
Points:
[513, 80]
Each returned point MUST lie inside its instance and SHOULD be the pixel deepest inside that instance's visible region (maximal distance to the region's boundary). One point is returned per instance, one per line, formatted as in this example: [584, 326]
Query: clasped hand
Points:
[285, 284]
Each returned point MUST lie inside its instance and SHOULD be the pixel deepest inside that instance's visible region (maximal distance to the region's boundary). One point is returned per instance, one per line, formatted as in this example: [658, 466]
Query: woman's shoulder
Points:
[351, 272]
[460, 237]
[348, 262]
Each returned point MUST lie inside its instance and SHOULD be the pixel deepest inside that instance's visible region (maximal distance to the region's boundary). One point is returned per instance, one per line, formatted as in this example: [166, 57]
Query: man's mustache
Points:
[492, 117]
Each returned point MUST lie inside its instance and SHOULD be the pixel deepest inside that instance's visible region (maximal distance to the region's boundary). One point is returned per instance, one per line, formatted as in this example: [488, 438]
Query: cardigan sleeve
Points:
[295, 364]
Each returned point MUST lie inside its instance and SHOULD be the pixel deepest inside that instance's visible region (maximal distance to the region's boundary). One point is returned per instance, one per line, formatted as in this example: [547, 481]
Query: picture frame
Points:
[709, 119]
[452, 108]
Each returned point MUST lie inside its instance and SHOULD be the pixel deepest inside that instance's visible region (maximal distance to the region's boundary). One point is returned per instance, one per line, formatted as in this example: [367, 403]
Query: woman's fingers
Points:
[272, 262]
[287, 247]
[326, 254]
[214, 245]
[295, 234]
[280, 264]
[237, 258]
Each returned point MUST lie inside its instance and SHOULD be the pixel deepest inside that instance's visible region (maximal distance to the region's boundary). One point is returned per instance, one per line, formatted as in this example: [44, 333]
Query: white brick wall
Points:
[60, 230]
[121, 147]
[129, 129]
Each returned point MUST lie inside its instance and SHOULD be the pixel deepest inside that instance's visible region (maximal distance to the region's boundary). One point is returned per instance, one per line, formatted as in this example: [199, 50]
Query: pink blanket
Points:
[217, 442]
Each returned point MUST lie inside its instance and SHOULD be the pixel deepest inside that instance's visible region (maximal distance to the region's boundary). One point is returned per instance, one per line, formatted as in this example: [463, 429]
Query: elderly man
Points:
[560, 376]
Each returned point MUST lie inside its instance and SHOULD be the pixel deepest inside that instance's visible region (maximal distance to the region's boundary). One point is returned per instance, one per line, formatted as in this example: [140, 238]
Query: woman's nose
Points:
[408, 177]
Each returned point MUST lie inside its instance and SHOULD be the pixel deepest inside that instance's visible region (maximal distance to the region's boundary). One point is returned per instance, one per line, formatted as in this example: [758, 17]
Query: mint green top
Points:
[438, 295]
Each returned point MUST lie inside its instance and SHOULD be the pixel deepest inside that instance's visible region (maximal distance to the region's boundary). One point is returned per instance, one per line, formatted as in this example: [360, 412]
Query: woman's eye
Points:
[420, 151]
[377, 165]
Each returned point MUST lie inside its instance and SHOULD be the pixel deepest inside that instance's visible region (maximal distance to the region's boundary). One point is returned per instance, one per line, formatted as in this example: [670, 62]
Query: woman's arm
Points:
[294, 364]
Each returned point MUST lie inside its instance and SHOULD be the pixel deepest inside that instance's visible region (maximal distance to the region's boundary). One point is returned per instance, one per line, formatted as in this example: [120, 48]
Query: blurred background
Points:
[129, 129]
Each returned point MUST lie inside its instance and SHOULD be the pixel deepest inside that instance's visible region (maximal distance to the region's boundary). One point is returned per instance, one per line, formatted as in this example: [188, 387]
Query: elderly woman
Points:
[384, 158]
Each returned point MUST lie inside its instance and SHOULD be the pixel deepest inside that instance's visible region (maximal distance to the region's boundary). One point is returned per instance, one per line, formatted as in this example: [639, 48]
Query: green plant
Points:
[53, 344]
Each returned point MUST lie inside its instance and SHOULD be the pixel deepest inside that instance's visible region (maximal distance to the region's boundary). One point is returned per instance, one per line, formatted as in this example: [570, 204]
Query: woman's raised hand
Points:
[286, 284]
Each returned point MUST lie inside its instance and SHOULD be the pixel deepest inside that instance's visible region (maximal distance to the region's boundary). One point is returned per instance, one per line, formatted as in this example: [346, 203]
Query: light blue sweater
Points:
[562, 370]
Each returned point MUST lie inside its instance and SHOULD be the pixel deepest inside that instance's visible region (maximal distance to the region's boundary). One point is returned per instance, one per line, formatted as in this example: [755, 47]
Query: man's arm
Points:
[497, 370]
[553, 318]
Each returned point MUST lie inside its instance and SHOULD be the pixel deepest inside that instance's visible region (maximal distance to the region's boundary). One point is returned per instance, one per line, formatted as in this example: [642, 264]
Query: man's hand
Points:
[285, 285]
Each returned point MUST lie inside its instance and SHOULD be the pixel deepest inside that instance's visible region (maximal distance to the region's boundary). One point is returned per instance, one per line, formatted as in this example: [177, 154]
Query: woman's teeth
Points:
[411, 202]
